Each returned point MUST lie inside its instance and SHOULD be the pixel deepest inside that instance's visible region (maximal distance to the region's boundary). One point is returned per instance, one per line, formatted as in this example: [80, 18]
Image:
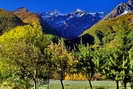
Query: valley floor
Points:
[55, 84]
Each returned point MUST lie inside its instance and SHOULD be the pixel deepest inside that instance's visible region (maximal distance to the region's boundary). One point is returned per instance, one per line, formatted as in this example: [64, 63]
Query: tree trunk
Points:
[90, 84]
[35, 83]
[48, 79]
[27, 84]
[131, 85]
[62, 83]
[125, 85]
[117, 84]
[48, 84]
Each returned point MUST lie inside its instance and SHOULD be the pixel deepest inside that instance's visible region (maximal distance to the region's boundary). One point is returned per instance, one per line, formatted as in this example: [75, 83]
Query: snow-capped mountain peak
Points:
[50, 14]
[78, 10]
[121, 9]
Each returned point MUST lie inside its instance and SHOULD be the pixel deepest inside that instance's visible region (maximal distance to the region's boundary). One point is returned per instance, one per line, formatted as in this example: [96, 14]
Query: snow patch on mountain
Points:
[125, 12]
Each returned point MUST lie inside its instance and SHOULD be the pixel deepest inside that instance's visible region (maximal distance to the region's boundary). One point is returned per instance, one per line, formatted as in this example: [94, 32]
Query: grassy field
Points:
[55, 84]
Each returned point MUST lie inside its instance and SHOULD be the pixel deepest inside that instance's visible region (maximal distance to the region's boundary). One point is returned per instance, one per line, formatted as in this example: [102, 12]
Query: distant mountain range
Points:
[69, 25]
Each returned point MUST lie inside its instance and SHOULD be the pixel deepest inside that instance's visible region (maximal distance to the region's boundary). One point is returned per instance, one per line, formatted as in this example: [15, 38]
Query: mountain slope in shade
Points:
[122, 8]
[70, 25]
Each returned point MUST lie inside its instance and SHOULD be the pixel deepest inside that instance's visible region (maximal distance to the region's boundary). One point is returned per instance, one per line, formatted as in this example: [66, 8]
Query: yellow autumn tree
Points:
[61, 58]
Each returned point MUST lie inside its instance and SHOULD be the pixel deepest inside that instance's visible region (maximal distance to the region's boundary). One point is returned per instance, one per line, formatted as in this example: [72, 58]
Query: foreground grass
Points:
[43, 87]
[55, 84]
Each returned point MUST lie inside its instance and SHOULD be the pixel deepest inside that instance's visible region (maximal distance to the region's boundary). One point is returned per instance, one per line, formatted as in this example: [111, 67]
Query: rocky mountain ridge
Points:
[122, 8]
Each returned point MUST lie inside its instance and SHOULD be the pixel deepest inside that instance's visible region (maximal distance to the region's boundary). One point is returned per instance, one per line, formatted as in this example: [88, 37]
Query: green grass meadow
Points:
[55, 84]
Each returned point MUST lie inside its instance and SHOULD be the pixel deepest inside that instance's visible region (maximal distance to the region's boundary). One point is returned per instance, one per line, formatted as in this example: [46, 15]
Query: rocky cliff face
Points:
[8, 21]
[26, 16]
[122, 8]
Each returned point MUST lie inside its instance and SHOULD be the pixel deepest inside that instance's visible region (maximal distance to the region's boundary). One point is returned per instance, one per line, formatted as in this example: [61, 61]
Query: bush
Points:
[12, 84]
[75, 76]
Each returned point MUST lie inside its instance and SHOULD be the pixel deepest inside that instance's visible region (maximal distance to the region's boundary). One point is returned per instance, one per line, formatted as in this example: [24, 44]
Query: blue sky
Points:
[63, 6]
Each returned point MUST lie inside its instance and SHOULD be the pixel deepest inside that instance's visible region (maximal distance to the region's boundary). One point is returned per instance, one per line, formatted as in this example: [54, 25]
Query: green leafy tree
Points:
[114, 64]
[85, 62]
[131, 65]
